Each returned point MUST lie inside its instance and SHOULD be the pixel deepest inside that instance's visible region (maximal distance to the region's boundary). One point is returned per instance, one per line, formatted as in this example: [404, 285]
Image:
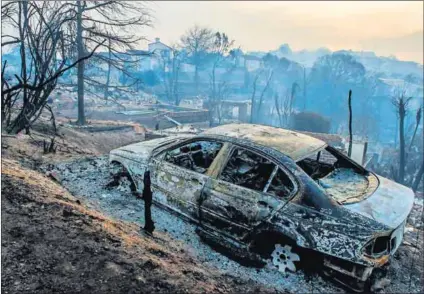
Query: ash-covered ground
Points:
[86, 178]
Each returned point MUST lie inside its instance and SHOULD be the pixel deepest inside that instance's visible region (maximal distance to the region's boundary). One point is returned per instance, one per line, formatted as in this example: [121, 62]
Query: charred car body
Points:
[268, 191]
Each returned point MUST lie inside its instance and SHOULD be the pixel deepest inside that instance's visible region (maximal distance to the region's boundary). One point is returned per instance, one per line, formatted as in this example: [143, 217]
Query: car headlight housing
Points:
[378, 247]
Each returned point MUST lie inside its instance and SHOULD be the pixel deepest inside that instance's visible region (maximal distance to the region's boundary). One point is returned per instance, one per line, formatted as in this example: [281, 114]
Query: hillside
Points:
[51, 242]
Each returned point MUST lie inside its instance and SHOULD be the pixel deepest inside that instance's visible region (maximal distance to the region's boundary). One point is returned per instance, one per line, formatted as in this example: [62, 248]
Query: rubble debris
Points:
[172, 120]
[380, 284]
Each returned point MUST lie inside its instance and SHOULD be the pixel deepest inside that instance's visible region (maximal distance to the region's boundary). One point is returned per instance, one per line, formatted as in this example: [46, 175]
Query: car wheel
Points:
[283, 258]
[121, 179]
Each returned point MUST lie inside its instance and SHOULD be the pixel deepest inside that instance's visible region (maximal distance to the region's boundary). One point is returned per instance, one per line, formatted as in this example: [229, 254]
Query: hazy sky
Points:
[388, 28]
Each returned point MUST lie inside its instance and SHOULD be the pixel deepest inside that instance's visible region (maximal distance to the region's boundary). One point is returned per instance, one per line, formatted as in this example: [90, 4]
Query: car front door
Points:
[247, 190]
[179, 173]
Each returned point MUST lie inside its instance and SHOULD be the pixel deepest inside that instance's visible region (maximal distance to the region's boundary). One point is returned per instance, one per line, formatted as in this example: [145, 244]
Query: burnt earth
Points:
[52, 243]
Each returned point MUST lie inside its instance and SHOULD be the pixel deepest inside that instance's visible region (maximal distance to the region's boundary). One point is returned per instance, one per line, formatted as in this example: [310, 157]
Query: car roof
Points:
[293, 144]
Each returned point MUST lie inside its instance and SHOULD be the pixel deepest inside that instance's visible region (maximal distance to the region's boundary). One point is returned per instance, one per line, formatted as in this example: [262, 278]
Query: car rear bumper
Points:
[362, 272]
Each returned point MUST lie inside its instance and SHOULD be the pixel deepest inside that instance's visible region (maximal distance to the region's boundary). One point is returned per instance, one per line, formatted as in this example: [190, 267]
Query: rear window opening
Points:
[339, 177]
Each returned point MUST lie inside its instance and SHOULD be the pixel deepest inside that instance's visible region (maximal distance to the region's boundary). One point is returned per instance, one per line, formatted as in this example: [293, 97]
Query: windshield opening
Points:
[341, 178]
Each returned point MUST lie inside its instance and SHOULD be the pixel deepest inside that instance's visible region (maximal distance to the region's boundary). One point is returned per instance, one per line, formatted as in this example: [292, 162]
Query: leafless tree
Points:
[252, 99]
[95, 21]
[277, 107]
[171, 66]
[257, 105]
[284, 105]
[401, 104]
[418, 177]
[197, 41]
[8, 12]
[124, 64]
[39, 28]
[220, 52]
[417, 124]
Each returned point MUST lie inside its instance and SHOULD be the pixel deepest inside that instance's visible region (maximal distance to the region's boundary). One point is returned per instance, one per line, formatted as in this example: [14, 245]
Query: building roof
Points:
[293, 144]
[157, 41]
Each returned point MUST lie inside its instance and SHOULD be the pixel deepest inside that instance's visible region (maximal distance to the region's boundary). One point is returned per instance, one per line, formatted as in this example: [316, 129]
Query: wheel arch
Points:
[263, 241]
[127, 170]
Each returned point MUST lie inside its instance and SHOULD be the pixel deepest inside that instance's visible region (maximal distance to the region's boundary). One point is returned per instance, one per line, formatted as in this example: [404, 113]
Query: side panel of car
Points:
[341, 237]
[234, 200]
[180, 173]
[180, 188]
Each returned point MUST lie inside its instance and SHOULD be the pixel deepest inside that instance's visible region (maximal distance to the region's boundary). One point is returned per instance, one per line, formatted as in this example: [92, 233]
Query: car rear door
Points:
[237, 199]
[179, 174]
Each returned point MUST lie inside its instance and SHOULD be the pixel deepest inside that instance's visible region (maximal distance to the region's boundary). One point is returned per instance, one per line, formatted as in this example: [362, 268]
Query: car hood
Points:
[390, 204]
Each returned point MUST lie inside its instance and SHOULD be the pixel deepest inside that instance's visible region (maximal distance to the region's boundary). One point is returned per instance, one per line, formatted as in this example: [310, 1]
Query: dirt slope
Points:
[52, 243]
[70, 142]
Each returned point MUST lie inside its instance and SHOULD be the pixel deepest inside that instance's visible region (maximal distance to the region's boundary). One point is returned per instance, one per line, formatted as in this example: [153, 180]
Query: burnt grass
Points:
[53, 243]
[87, 179]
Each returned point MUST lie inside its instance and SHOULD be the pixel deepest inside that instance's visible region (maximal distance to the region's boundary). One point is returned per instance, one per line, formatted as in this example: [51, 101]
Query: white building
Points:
[160, 50]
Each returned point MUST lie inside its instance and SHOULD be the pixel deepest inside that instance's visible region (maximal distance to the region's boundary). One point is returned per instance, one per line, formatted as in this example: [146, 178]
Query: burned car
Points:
[275, 193]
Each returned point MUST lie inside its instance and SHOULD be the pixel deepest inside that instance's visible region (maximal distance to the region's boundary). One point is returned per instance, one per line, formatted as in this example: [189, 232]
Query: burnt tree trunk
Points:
[350, 123]
[23, 35]
[417, 124]
[401, 174]
[106, 94]
[196, 77]
[149, 225]
[418, 178]
[80, 74]
[304, 89]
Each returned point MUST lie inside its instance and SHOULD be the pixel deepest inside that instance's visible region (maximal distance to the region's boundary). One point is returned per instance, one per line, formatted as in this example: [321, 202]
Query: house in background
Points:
[160, 49]
[160, 54]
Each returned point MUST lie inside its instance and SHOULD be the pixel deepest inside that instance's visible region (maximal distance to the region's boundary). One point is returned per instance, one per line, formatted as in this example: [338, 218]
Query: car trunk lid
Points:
[390, 204]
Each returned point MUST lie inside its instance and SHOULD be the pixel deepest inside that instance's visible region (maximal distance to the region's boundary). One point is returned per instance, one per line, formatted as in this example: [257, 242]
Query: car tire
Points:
[275, 251]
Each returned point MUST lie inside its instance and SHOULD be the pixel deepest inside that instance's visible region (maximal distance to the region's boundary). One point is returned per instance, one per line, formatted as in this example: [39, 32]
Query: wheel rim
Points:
[283, 258]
